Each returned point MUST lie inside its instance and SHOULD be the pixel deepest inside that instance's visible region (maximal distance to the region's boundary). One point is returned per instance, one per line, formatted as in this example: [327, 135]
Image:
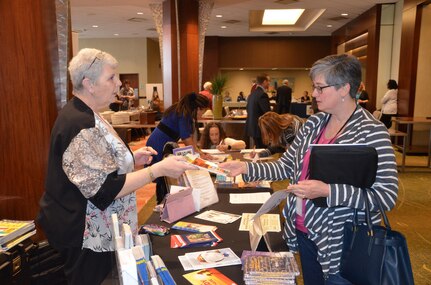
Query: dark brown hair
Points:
[205, 141]
[188, 106]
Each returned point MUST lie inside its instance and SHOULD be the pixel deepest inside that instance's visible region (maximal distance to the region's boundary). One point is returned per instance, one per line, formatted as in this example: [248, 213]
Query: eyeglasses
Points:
[319, 89]
[97, 57]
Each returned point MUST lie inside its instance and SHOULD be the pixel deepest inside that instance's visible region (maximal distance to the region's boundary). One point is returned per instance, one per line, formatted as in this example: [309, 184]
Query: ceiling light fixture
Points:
[95, 26]
[281, 16]
[219, 16]
[223, 27]
[329, 26]
[140, 13]
[344, 14]
[116, 35]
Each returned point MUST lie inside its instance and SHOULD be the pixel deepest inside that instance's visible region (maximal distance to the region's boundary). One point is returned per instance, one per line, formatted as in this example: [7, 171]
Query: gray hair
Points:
[339, 70]
[207, 85]
[285, 82]
[89, 63]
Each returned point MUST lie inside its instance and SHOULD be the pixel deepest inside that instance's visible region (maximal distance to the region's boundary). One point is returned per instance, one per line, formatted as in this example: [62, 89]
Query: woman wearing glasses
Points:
[317, 232]
[91, 173]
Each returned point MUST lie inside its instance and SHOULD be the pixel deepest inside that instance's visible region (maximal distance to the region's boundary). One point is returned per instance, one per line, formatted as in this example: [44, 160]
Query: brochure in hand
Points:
[205, 164]
[195, 240]
[208, 276]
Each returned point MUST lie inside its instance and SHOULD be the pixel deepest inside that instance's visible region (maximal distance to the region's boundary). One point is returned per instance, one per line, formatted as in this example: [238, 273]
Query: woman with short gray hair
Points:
[91, 173]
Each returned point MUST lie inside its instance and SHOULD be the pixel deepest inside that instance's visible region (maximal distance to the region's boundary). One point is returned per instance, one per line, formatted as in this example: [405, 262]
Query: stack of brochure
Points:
[209, 259]
[269, 268]
[12, 232]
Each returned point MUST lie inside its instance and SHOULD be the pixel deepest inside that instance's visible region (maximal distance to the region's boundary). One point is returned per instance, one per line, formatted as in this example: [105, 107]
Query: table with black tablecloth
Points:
[232, 237]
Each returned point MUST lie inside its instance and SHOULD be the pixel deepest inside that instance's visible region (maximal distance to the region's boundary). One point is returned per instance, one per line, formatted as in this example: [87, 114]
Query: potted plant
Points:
[218, 84]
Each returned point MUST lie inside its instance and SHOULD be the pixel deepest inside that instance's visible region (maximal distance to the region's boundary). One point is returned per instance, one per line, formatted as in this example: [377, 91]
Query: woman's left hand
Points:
[144, 155]
[309, 189]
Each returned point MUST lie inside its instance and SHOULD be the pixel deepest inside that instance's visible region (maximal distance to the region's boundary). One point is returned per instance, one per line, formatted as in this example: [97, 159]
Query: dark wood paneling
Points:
[368, 22]
[409, 49]
[188, 13]
[211, 59]
[272, 52]
[28, 106]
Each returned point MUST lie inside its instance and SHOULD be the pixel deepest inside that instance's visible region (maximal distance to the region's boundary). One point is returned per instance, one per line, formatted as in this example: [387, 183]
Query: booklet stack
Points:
[136, 264]
[269, 267]
[12, 232]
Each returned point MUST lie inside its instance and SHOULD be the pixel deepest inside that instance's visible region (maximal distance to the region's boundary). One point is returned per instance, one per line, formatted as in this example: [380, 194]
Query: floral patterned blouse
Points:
[80, 195]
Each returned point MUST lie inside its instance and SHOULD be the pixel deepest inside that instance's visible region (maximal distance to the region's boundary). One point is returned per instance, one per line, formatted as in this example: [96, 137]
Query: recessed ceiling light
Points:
[281, 16]
[219, 16]
[223, 27]
[95, 26]
[116, 34]
[140, 13]
[329, 26]
[274, 68]
[344, 14]
[241, 68]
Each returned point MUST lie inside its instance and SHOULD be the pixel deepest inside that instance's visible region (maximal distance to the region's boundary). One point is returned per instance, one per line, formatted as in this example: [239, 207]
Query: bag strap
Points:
[382, 211]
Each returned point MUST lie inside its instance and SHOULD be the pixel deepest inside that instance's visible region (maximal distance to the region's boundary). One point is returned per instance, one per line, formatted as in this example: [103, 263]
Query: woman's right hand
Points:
[235, 167]
[172, 166]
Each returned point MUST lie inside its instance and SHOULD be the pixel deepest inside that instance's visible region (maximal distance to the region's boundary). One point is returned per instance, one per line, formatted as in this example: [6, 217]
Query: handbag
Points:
[374, 254]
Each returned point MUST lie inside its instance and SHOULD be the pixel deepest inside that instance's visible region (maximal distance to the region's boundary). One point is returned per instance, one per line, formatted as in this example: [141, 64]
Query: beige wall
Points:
[241, 80]
[154, 66]
[423, 91]
[131, 53]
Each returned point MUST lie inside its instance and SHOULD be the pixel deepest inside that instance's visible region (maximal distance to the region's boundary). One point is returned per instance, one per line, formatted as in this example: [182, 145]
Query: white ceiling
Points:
[112, 16]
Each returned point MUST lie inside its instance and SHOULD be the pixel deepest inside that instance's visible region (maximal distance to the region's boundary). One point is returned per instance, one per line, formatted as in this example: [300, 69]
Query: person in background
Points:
[207, 92]
[257, 105]
[178, 122]
[226, 97]
[126, 95]
[278, 131]
[284, 97]
[389, 103]
[253, 85]
[317, 232]
[305, 97]
[362, 96]
[240, 97]
[92, 174]
[214, 136]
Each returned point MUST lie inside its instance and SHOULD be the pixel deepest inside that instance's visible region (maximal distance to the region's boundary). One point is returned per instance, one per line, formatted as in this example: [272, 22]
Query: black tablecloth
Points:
[232, 237]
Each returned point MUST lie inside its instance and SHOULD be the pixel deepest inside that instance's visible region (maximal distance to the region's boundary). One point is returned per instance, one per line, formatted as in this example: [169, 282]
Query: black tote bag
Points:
[374, 254]
[353, 164]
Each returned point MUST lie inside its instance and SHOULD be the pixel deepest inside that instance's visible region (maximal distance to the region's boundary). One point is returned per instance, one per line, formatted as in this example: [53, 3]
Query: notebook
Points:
[353, 164]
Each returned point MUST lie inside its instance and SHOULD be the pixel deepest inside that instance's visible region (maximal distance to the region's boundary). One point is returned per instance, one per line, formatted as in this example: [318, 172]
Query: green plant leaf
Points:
[218, 83]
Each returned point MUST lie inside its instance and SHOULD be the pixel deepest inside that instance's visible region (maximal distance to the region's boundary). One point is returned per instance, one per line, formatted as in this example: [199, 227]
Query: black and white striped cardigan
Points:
[325, 225]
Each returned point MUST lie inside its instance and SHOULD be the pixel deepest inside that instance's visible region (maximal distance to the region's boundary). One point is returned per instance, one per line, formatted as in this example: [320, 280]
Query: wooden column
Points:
[407, 75]
[180, 49]
[28, 103]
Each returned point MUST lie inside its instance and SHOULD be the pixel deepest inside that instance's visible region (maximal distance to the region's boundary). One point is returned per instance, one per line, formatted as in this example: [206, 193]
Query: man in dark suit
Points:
[257, 105]
[284, 97]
